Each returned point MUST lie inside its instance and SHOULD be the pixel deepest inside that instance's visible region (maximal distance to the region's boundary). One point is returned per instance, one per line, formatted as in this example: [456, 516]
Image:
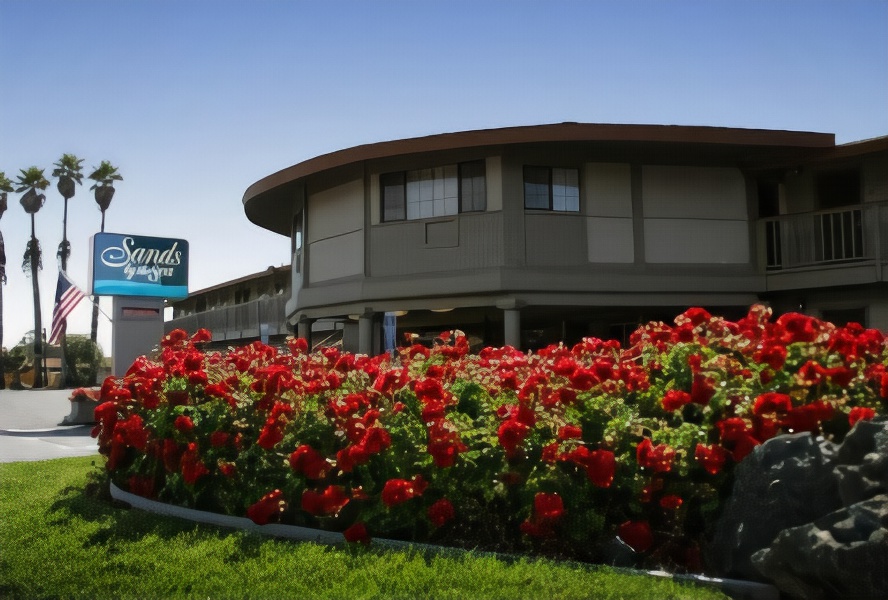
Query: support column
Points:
[512, 327]
[303, 330]
[365, 333]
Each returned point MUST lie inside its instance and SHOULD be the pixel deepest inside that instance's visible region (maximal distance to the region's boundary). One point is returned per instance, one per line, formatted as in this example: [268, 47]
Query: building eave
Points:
[261, 198]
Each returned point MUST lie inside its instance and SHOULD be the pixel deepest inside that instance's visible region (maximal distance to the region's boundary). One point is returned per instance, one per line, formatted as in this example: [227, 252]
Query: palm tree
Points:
[104, 176]
[5, 187]
[68, 172]
[32, 182]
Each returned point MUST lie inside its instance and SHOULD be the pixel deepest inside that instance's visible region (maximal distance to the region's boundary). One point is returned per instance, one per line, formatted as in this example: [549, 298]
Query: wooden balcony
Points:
[243, 322]
[831, 247]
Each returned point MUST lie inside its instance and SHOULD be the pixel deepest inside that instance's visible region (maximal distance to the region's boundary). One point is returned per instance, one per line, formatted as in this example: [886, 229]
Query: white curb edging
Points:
[303, 534]
[736, 589]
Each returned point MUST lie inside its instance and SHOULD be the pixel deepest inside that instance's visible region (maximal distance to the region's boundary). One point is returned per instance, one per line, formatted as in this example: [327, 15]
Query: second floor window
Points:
[555, 189]
[433, 192]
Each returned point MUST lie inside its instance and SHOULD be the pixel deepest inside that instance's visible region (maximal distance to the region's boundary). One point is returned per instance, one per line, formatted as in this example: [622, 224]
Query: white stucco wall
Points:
[609, 230]
[335, 232]
[695, 215]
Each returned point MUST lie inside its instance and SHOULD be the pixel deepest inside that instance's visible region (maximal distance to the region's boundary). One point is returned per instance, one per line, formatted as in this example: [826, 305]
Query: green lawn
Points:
[58, 541]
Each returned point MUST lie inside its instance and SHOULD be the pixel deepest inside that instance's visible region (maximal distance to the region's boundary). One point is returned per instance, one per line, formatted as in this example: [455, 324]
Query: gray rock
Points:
[841, 555]
[862, 462]
[785, 482]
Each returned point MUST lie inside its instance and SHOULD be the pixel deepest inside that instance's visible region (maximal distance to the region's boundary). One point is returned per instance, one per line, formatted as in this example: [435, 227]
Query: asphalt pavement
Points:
[31, 427]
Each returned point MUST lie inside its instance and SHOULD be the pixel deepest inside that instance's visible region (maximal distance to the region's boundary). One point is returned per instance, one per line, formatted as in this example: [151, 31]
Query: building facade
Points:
[238, 312]
[528, 235]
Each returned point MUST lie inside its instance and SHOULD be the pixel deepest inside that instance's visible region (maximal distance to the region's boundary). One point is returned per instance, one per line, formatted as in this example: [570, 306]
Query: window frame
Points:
[399, 179]
[551, 187]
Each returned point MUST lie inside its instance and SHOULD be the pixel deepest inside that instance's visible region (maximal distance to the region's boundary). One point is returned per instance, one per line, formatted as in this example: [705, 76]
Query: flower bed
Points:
[573, 452]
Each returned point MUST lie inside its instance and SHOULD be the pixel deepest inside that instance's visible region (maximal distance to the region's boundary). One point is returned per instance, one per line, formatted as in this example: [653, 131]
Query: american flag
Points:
[66, 298]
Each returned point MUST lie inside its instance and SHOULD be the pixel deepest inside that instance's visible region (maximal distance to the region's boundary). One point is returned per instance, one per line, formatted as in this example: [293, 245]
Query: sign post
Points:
[140, 272]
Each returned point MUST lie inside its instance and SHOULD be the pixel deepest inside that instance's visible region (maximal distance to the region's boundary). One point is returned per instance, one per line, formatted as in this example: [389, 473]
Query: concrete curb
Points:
[62, 430]
[736, 589]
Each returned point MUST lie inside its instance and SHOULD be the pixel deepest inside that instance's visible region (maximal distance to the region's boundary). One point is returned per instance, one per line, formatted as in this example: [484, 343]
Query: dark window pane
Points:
[536, 188]
[393, 201]
[473, 187]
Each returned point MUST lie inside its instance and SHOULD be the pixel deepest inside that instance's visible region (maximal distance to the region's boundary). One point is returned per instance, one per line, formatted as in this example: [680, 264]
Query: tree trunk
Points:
[94, 326]
[38, 324]
[63, 340]
[2, 357]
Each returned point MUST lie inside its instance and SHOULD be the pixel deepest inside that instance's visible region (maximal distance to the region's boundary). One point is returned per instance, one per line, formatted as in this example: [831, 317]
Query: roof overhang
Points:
[265, 200]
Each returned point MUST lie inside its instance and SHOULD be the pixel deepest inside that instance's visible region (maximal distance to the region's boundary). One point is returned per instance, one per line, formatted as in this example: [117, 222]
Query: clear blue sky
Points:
[195, 100]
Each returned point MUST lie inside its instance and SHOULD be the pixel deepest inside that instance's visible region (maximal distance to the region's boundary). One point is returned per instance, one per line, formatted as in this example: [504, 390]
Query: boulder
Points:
[862, 462]
[810, 516]
[785, 482]
[841, 555]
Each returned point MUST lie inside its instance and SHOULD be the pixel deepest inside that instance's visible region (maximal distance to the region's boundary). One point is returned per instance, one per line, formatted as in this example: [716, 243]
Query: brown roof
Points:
[261, 198]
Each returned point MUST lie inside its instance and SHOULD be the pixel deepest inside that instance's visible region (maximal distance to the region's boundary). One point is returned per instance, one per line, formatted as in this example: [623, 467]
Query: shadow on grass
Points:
[119, 523]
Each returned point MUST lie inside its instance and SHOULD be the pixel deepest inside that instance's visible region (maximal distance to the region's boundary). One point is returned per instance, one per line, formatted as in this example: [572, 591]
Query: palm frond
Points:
[31, 178]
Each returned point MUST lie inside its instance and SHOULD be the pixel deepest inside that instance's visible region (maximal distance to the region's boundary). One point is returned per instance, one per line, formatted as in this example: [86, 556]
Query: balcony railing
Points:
[242, 321]
[823, 237]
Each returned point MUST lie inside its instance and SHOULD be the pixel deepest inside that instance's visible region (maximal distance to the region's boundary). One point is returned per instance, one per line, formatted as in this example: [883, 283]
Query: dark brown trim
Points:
[543, 133]
[262, 199]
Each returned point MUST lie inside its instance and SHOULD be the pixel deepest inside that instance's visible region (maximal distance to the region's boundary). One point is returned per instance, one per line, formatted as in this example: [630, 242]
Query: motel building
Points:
[531, 235]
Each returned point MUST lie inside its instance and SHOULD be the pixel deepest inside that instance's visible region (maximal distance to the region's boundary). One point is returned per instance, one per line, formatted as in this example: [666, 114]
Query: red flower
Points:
[860, 413]
[133, 433]
[637, 535]
[582, 379]
[569, 432]
[695, 315]
[351, 456]
[201, 336]
[309, 462]
[428, 389]
[547, 508]
[702, 389]
[774, 356]
[808, 417]
[328, 502]
[732, 429]
[795, 327]
[772, 402]
[297, 346]
[440, 512]
[106, 419]
[671, 502]
[192, 467]
[712, 457]
[398, 491]
[357, 534]
[743, 446]
[658, 458]
[675, 399]
[173, 338]
[268, 507]
[183, 423]
[228, 469]
[444, 445]
[511, 433]
[270, 435]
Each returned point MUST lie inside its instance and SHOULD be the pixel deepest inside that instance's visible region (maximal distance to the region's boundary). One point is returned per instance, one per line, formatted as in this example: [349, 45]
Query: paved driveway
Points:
[30, 427]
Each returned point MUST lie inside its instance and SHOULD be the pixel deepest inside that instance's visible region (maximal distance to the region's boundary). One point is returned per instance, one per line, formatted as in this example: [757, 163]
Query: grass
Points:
[59, 541]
